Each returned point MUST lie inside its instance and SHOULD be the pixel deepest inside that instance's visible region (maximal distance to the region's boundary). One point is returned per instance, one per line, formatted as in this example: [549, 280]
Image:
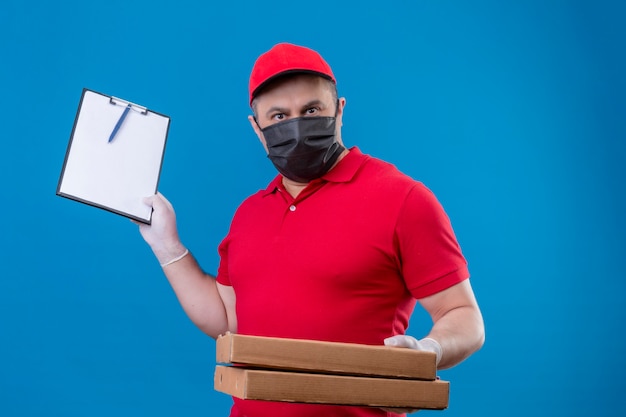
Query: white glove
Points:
[162, 235]
[427, 344]
[404, 341]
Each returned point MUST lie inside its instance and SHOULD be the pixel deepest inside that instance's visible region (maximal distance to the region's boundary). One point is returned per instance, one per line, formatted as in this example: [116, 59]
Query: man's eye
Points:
[278, 116]
[312, 110]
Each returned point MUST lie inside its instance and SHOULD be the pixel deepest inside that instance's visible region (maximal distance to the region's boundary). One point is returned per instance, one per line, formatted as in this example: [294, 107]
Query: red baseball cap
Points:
[285, 58]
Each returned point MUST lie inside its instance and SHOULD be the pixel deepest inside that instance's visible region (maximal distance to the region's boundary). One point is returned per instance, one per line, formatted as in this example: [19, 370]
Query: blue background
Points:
[511, 112]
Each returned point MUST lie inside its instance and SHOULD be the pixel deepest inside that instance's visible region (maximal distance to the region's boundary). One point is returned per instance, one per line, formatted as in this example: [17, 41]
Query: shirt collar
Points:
[344, 171]
[274, 186]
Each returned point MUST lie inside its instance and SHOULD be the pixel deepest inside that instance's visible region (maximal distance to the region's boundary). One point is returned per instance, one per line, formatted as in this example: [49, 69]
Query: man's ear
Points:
[341, 103]
[257, 130]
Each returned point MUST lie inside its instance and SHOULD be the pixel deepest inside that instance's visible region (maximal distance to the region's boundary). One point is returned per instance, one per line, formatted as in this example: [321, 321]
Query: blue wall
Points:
[511, 112]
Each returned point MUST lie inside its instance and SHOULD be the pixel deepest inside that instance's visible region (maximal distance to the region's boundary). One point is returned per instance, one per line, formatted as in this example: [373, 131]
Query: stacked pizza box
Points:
[310, 371]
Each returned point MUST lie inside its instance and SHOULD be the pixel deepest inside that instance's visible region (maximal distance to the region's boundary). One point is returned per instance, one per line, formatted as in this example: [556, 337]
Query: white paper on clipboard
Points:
[114, 175]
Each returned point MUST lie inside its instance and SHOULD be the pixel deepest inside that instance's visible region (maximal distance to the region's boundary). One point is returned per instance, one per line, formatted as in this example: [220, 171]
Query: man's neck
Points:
[294, 188]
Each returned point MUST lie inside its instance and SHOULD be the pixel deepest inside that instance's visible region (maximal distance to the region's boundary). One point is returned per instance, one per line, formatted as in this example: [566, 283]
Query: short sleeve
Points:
[430, 256]
[222, 271]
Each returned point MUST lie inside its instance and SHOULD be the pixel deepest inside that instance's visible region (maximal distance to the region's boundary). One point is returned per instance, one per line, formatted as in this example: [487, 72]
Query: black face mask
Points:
[304, 148]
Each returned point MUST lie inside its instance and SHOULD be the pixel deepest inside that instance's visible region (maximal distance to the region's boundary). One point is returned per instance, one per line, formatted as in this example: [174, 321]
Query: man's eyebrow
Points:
[312, 103]
[276, 109]
[308, 105]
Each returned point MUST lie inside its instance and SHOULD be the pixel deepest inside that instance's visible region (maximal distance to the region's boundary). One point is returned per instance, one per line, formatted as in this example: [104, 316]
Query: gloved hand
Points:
[405, 341]
[162, 235]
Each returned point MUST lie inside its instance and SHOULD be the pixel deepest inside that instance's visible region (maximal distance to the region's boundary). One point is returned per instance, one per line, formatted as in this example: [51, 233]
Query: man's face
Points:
[296, 96]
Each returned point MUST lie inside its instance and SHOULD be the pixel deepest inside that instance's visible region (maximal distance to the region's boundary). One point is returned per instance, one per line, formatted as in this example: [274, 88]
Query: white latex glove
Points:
[162, 235]
[427, 344]
[404, 341]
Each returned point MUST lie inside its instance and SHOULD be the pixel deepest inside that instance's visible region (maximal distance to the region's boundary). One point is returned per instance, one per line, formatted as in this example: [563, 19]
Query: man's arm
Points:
[209, 305]
[458, 328]
[457, 323]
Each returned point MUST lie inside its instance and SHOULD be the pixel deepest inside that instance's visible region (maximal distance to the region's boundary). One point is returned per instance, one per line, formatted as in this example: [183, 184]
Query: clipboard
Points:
[114, 156]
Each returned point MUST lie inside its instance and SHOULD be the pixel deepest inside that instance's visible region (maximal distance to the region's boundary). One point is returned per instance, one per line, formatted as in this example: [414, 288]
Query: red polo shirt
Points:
[344, 261]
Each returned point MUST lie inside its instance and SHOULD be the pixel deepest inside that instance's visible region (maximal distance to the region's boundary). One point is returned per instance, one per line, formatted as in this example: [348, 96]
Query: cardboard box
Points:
[301, 387]
[325, 357]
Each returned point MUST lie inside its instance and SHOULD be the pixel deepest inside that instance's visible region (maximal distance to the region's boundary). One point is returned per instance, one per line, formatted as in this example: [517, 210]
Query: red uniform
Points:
[344, 261]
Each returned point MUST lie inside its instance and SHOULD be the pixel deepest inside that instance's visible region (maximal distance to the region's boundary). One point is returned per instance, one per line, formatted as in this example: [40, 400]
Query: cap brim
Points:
[285, 73]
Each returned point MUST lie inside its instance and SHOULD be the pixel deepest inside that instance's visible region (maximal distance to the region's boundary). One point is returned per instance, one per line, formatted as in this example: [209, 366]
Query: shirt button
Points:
[292, 207]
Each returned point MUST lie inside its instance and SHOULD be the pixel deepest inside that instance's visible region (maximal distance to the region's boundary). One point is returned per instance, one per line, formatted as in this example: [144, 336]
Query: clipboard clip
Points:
[136, 107]
[128, 106]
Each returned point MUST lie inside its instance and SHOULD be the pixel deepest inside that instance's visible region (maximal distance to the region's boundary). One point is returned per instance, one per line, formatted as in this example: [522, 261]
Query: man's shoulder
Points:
[376, 170]
[257, 198]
